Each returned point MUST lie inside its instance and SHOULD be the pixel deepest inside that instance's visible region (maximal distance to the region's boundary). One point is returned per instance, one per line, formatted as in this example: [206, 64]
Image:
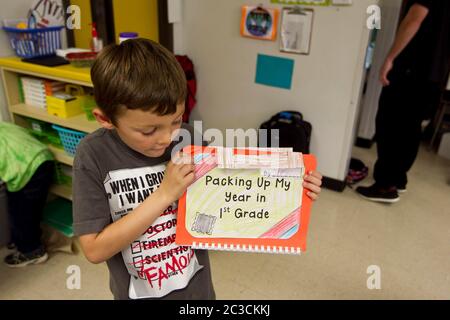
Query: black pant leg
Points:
[389, 122]
[402, 108]
[425, 97]
[26, 208]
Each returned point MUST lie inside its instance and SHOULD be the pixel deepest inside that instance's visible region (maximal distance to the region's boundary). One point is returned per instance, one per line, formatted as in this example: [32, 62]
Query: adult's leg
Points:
[402, 109]
[26, 207]
[425, 96]
[390, 126]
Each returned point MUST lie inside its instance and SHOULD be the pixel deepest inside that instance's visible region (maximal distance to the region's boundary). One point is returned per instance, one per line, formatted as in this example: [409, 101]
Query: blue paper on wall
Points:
[274, 71]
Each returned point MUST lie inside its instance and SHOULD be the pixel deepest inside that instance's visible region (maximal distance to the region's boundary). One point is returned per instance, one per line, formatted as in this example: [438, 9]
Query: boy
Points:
[26, 165]
[125, 197]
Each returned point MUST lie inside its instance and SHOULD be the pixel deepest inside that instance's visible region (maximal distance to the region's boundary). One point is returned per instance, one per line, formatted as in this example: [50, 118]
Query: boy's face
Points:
[148, 133]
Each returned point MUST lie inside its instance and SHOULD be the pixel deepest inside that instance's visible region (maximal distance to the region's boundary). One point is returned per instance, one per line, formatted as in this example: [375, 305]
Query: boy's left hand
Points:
[312, 182]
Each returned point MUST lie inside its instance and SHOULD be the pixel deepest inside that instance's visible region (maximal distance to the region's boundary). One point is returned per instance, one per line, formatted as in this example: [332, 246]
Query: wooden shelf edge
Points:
[62, 191]
[79, 122]
[66, 73]
[61, 155]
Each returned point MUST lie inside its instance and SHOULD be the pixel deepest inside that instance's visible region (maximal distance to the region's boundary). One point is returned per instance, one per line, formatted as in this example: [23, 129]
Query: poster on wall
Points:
[259, 23]
[274, 71]
[296, 30]
[45, 13]
[304, 2]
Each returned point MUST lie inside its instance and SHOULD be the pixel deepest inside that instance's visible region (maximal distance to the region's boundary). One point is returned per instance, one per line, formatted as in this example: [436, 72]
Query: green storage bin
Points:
[60, 176]
[44, 132]
[88, 105]
[58, 215]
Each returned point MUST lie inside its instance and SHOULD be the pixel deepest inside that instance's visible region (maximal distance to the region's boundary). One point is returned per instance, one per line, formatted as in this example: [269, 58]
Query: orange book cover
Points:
[274, 230]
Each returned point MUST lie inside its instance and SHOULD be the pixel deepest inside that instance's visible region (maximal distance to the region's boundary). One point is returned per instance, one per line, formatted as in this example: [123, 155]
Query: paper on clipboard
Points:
[296, 29]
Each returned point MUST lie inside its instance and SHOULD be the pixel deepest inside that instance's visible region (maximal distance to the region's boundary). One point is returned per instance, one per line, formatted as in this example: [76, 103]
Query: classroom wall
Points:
[139, 16]
[390, 11]
[326, 84]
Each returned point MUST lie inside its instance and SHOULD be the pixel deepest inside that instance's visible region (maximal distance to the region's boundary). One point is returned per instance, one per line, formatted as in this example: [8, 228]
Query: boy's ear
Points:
[102, 119]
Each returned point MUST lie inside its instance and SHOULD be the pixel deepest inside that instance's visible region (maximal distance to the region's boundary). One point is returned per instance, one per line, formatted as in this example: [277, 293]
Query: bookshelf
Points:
[12, 68]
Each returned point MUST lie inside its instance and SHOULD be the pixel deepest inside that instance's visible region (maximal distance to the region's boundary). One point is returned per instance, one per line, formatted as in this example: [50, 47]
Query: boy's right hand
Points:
[178, 176]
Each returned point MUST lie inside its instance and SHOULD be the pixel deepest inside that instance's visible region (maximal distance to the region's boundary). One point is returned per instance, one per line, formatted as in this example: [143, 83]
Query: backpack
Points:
[188, 68]
[294, 132]
[357, 171]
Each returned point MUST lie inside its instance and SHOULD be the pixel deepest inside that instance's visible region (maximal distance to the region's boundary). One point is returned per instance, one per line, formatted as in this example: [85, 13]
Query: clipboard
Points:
[285, 236]
[296, 30]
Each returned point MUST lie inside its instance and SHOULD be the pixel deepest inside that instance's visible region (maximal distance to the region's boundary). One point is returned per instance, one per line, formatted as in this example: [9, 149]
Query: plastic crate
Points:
[58, 214]
[40, 126]
[60, 177]
[55, 140]
[89, 104]
[30, 43]
[44, 132]
[69, 138]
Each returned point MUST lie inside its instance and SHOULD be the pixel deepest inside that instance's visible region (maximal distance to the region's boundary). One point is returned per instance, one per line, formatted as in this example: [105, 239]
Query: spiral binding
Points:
[246, 248]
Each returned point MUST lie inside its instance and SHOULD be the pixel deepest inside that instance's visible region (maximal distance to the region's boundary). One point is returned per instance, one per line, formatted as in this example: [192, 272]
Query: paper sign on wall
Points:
[296, 30]
[274, 71]
[259, 23]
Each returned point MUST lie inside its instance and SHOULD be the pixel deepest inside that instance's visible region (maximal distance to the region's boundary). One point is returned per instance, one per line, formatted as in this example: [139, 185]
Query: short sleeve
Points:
[90, 203]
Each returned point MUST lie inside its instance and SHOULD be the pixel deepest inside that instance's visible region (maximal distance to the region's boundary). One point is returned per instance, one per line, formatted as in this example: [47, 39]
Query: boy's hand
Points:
[312, 182]
[178, 176]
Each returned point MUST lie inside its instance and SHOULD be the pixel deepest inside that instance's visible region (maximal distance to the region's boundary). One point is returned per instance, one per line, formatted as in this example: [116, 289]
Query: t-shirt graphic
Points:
[157, 265]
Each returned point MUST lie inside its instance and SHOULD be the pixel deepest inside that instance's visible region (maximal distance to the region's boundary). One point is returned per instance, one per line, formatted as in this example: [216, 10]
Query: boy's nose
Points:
[165, 138]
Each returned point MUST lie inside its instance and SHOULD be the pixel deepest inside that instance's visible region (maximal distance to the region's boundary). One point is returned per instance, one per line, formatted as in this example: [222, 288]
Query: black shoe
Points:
[18, 259]
[401, 188]
[378, 194]
[11, 246]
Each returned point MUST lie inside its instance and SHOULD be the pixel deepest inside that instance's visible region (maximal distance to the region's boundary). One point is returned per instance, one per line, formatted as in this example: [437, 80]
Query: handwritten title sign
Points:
[235, 206]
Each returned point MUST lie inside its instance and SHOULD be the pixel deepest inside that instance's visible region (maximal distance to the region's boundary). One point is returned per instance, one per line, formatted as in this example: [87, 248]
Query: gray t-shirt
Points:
[111, 179]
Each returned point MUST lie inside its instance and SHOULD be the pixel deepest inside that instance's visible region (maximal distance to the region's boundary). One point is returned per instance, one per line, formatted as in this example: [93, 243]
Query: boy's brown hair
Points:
[138, 74]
